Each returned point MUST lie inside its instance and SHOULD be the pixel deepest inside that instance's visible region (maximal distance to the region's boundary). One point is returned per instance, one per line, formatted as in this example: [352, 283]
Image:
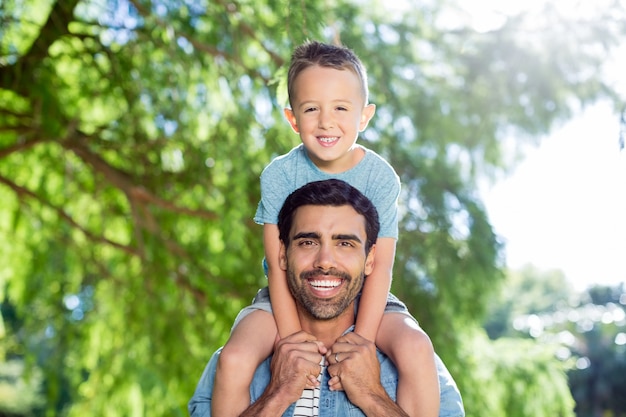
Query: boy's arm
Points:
[375, 290]
[283, 304]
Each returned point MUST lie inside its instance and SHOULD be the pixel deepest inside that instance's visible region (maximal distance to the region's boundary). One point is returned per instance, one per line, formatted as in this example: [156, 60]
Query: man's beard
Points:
[324, 308]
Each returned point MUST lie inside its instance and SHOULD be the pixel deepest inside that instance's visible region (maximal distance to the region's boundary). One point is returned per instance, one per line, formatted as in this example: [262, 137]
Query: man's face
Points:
[326, 260]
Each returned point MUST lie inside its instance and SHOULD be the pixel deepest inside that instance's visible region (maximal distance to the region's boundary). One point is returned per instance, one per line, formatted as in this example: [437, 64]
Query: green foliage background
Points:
[585, 330]
[132, 136]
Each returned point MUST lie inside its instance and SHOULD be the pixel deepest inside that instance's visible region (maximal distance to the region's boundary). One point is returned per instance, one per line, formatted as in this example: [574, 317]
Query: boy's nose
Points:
[325, 120]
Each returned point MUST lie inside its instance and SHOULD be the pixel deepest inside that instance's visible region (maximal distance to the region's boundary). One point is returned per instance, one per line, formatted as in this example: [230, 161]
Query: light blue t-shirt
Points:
[372, 176]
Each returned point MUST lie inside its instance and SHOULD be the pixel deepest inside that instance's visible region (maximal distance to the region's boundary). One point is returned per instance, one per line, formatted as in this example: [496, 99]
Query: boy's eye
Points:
[342, 108]
[310, 109]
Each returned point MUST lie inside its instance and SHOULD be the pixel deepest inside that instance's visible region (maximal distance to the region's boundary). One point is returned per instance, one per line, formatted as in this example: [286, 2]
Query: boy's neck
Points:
[357, 153]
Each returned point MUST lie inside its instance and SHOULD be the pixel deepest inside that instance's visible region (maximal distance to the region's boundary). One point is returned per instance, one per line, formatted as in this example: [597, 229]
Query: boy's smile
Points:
[329, 112]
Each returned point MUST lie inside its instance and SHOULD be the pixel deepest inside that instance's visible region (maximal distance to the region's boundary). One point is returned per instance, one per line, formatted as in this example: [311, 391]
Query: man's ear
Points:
[366, 116]
[282, 256]
[369, 261]
[291, 118]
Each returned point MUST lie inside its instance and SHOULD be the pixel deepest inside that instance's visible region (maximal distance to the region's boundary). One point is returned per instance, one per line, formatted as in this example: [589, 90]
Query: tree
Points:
[527, 291]
[517, 378]
[132, 135]
[598, 382]
[583, 330]
[20, 392]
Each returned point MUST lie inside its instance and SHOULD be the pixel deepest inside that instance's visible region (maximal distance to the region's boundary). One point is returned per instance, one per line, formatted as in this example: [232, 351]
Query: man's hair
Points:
[313, 53]
[331, 192]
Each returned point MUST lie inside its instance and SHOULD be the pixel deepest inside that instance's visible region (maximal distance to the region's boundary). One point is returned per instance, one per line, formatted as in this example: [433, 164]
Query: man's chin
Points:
[323, 309]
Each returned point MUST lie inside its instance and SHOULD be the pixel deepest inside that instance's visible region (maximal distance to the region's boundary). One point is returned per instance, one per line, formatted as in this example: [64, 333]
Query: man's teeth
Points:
[325, 284]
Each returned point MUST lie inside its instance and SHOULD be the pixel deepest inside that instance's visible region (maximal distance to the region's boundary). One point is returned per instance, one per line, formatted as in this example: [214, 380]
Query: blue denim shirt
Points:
[332, 403]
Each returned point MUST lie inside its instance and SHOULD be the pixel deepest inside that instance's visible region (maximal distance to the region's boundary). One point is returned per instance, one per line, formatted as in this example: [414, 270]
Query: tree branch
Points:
[211, 50]
[18, 77]
[122, 180]
[19, 146]
[24, 192]
[232, 7]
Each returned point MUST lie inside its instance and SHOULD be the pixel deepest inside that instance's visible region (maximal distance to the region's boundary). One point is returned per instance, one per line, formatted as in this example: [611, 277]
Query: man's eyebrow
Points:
[353, 238]
[306, 235]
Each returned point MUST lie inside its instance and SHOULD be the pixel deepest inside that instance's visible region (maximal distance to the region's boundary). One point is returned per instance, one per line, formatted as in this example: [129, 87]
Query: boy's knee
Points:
[231, 356]
[413, 338]
[419, 340]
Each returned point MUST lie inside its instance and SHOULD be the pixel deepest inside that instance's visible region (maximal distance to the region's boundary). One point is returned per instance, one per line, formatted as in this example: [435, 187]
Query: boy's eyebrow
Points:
[315, 102]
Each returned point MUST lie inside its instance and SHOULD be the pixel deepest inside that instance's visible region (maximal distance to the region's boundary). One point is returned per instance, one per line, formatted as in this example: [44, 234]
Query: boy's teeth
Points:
[329, 139]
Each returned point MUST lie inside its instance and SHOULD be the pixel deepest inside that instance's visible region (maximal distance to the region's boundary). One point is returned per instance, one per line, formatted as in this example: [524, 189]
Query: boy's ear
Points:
[366, 116]
[291, 118]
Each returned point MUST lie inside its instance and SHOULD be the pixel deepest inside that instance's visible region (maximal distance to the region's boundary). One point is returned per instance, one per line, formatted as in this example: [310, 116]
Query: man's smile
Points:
[326, 283]
[325, 287]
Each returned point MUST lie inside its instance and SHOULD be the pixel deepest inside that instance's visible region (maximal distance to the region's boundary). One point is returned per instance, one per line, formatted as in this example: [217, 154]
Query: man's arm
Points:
[359, 371]
[295, 365]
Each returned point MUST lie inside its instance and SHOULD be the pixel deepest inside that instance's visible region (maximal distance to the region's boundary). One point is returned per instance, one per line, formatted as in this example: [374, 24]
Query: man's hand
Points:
[295, 366]
[352, 359]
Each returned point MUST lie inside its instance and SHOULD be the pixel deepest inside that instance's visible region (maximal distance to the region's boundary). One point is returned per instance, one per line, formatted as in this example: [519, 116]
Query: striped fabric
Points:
[309, 403]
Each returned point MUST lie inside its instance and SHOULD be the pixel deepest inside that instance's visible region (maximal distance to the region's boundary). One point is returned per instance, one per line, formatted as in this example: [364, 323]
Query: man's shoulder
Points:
[451, 402]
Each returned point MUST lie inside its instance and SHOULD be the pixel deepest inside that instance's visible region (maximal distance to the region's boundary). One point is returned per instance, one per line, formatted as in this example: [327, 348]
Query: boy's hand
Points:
[334, 383]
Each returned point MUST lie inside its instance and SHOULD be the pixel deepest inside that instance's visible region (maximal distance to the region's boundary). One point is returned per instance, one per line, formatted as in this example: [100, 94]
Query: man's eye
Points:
[346, 244]
[306, 243]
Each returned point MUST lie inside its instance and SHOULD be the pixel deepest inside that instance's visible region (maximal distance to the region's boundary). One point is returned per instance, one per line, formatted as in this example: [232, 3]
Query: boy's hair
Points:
[330, 192]
[313, 53]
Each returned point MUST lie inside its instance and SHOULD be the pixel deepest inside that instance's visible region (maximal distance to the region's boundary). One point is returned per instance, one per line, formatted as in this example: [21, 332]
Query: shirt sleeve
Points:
[274, 183]
[384, 190]
[200, 403]
[451, 403]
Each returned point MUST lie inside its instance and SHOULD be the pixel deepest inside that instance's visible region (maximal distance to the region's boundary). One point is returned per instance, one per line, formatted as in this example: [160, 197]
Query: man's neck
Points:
[328, 331]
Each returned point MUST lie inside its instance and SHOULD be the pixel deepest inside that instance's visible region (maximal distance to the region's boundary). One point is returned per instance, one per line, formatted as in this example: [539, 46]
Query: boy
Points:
[328, 95]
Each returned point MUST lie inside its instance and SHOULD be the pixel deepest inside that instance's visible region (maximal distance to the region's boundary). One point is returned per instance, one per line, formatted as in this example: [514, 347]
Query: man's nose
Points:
[325, 258]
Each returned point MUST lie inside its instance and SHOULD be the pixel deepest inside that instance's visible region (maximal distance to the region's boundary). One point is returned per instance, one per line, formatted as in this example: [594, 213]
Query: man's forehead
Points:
[332, 219]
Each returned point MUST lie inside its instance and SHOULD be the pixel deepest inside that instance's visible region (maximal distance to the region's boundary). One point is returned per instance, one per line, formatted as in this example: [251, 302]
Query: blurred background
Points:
[133, 134]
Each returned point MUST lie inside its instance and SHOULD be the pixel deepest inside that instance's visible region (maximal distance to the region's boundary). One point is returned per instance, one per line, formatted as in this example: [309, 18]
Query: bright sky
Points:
[564, 207]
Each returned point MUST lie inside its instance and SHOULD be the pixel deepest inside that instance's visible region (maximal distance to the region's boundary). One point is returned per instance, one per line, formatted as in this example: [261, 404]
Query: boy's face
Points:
[328, 113]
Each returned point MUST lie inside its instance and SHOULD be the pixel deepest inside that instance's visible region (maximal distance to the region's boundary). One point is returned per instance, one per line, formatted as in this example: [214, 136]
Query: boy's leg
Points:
[251, 342]
[411, 350]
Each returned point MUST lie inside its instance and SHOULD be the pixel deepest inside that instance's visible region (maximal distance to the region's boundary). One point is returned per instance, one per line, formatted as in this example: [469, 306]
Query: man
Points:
[328, 231]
